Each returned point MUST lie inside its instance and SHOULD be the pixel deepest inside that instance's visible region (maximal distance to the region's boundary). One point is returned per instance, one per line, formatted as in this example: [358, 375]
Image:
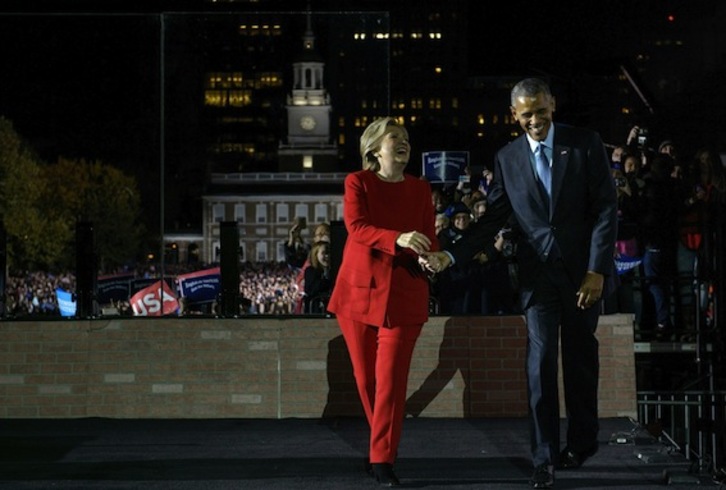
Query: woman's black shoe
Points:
[384, 475]
[368, 467]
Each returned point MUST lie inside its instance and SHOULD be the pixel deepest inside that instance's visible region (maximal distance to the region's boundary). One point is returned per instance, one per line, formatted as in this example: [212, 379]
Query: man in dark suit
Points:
[555, 181]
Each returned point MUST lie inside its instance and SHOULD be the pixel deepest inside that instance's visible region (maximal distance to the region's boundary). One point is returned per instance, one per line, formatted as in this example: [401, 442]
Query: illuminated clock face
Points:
[307, 123]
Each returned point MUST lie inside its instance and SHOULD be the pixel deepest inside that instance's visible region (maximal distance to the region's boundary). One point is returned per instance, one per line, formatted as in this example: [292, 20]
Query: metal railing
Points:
[693, 420]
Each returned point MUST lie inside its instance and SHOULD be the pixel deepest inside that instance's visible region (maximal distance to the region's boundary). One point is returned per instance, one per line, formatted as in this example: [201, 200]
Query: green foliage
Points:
[42, 204]
[106, 197]
[21, 186]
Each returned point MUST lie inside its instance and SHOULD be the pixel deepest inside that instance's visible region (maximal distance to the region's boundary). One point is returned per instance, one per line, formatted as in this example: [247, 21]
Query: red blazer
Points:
[379, 283]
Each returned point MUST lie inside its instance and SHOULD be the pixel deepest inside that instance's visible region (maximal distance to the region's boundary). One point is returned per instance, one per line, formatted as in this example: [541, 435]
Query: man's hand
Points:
[436, 261]
[590, 290]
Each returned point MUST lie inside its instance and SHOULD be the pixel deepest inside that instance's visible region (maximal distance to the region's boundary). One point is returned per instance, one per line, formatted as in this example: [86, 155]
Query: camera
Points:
[620, 182]
[642, 137]
[465, 184]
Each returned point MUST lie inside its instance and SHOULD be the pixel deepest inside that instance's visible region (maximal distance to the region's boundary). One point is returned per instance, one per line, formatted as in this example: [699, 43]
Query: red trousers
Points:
[381, 360]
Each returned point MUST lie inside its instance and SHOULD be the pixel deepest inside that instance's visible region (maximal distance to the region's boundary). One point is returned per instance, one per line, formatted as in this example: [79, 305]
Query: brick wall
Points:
[258, 367]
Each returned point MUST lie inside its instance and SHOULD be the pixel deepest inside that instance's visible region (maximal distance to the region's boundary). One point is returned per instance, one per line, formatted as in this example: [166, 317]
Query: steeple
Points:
[309, 37]
[308, 112]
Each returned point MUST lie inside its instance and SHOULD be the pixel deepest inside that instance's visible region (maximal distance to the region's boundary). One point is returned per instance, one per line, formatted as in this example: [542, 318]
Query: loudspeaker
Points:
[229, 265]
[338, 236]
[85, 270]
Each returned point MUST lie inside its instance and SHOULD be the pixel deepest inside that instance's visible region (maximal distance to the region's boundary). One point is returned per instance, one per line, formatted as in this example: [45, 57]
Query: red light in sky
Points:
[671, 17]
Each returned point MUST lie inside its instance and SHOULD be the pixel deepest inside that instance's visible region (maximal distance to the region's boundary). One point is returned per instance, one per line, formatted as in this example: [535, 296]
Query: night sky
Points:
[71, 91]
[88, 85]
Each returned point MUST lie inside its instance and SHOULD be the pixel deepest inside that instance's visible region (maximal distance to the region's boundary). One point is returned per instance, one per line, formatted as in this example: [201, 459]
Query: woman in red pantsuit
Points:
[381, 294]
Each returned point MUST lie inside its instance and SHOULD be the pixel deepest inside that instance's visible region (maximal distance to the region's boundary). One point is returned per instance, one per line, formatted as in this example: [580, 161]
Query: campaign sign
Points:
[624, 263]
[153, 301]
[110, 289]
[139, 283]
[444, 166]
[66, 305]
[200, 286]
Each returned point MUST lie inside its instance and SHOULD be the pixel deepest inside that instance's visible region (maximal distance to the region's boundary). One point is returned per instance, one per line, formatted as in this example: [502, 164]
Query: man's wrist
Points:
[451, 257]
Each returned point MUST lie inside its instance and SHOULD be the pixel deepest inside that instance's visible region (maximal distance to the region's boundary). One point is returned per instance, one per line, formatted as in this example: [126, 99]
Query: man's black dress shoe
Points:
[383, 472]
[543, 476]
[570, 459]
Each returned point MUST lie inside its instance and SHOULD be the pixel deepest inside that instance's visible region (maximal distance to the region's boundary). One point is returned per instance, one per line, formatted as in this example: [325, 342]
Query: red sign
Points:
[152, 301]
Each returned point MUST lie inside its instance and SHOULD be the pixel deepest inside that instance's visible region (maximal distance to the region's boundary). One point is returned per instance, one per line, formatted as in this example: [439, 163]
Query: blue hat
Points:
[456, 208]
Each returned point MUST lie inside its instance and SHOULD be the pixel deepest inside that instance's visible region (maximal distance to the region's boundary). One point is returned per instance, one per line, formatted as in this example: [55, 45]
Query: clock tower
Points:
[308, 146]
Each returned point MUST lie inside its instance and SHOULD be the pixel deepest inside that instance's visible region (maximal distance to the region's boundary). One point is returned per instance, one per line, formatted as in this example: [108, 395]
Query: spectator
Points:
[454, 288]
[322, 234]
[479, 207]
[296, 249]
[317, 278]
[702, 204]
[659, 234]
[627, 247]
[616, 156]
[441, 223]
[440, 200]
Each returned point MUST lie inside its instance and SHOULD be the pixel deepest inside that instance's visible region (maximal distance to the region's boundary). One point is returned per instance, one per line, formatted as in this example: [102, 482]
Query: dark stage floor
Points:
[303, 454]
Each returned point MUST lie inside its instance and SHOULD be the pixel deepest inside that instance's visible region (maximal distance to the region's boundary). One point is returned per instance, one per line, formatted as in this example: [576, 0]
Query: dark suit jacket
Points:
[582, 219]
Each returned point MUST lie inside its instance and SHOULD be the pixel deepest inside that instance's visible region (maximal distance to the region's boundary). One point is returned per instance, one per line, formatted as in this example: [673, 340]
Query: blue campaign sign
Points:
[114, 288]
[200, 286]
[444, 166]
[624, 263]
[66, 305]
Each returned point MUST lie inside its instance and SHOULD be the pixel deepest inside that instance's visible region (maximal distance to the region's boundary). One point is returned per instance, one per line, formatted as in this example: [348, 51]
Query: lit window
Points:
[321, 213]
[301, 211]
[239, 213]
[307, 162]
[283, 212]
[261, 213]
[218, 213]
[240, 98]
[215, 98]
[261, 250]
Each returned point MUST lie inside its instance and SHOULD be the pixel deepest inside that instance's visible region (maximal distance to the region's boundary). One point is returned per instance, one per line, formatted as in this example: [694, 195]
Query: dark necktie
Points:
[543, 168]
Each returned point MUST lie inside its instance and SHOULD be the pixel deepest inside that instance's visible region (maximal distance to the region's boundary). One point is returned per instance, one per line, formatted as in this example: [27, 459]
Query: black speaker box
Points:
[338, 236]
[229, 265]
[85, 270]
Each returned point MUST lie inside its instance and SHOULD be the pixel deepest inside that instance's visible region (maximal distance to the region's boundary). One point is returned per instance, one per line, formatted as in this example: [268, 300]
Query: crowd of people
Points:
[585, 231]
[486, 286]
[301, 284]
[266, 288]
[670, 211]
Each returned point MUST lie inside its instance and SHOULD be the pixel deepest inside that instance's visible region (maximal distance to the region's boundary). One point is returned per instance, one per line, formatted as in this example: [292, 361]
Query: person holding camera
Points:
[296, 249]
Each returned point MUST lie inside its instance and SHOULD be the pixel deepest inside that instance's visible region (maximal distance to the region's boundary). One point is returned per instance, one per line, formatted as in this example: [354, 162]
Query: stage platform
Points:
[301, 454]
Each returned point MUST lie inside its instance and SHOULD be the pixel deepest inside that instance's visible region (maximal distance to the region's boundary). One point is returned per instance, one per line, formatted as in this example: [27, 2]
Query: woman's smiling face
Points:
[395, 147]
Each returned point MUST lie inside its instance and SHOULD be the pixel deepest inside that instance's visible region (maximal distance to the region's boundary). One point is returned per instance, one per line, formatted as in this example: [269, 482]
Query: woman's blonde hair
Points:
[314, 261]
[370, 141]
